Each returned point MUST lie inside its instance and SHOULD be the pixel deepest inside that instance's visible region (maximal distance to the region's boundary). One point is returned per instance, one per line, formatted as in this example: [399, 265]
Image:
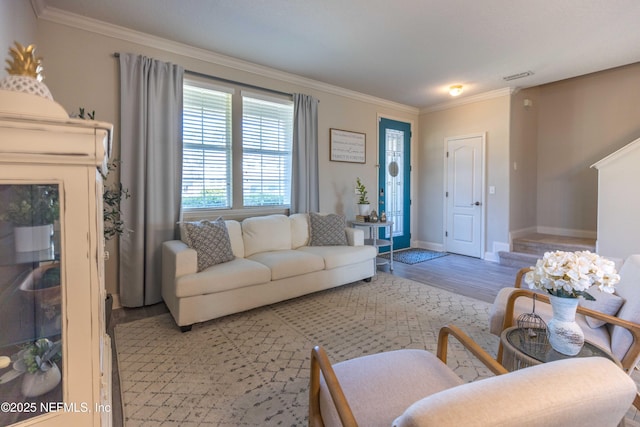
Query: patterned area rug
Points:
[414, 255]
[252, 369]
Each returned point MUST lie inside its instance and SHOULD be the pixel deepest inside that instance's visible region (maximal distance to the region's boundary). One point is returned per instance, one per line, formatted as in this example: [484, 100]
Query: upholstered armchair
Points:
[611, 322]
[412, 388]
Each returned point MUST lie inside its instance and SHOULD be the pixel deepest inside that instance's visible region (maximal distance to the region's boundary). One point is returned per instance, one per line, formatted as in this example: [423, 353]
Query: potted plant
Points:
[112, 195]
[37, 361]
[32, 210]
[566, 276]
[112, 199]
[363, 202]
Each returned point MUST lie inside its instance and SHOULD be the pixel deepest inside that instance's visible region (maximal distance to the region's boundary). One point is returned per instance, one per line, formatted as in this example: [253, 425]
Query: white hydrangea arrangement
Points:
[571, 274]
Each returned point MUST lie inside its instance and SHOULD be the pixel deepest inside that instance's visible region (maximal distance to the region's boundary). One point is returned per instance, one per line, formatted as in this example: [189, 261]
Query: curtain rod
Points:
[220, 79]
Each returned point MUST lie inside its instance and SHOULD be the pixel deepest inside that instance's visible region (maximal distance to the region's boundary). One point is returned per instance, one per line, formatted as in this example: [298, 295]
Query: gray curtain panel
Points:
[151, 154]
[305, 192]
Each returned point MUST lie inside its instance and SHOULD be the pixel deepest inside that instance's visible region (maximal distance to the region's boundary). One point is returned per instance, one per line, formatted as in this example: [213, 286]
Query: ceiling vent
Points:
[518, 76]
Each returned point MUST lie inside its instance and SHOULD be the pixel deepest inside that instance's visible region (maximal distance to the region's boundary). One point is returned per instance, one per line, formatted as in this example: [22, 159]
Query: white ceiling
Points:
[407, 51]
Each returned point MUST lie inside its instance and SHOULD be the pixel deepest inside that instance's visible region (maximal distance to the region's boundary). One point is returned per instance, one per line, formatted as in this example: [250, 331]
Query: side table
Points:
[376, 242]
[521, 350]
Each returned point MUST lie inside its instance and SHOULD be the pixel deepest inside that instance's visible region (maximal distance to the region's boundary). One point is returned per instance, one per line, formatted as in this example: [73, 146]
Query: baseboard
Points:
[432, 246]
[491, 257]
[521, 232]
[116, 301]
[569, 232]
[588, 234]
[497, 248]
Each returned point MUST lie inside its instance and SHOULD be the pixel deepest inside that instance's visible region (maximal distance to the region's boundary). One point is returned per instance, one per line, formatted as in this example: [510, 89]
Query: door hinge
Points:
[446, 234]
[447, 154]
[446, 194]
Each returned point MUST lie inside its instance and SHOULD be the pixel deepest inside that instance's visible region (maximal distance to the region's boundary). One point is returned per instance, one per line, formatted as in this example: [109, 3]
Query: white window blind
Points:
[206, 170]
[267, 133]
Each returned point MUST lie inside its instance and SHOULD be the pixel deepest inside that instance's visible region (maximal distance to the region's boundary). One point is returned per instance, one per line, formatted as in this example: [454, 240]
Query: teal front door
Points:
[394, 194]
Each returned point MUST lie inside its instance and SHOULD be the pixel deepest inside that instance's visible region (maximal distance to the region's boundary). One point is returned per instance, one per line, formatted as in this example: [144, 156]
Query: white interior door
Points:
[464, 195]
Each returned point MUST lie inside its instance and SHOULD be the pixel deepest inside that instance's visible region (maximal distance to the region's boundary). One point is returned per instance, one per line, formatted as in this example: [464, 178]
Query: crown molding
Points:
[470, 99]
[48, 13]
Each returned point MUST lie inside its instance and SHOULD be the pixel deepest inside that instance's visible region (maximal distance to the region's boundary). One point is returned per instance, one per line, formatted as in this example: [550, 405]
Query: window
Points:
[267, 129]
[237, 149]
[206, 153]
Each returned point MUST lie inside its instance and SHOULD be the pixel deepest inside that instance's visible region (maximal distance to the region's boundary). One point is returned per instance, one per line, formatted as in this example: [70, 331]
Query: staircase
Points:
[528, 249]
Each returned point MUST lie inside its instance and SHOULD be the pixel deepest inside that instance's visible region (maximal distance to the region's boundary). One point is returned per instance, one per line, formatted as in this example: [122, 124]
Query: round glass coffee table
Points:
[523, 347]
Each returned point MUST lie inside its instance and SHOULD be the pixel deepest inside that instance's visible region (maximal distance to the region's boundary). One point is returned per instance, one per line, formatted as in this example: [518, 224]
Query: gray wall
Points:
[84, 73]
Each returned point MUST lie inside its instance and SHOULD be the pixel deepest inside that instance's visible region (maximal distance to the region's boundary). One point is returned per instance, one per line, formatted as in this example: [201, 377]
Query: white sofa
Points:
[273, 262]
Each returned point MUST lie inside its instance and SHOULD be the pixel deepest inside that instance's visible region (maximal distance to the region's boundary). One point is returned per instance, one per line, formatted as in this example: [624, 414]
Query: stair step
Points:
[538, 244]
[528, 249]
[517, 259]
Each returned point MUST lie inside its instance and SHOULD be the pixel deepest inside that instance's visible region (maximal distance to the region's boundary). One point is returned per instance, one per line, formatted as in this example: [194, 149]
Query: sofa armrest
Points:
[355, 236]
[178, 259]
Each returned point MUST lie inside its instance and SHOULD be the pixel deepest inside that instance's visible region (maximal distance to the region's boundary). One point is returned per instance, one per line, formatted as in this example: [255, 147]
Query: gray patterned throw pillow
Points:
[210, 239]
[327, 230]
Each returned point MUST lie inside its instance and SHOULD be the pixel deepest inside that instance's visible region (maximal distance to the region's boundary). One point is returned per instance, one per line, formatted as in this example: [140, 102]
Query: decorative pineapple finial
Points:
[25, 72]
[24, 62]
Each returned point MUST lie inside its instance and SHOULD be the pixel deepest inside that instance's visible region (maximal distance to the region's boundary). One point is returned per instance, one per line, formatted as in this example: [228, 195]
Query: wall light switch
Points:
[492, 189]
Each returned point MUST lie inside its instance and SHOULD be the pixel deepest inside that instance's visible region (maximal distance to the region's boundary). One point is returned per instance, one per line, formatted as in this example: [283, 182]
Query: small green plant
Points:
[112, 199]
[113, 194]
[362, 192]
[39, 355]
[87, 115]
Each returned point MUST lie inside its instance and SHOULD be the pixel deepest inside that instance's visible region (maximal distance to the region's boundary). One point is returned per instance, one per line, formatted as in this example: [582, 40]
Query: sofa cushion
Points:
[379, 387]
[234, 274]
[605, 303]
[289, 263]
[266, 233]
[299, 230]
[211, 241]
[327, 230]
[235, 235]
[338, 256]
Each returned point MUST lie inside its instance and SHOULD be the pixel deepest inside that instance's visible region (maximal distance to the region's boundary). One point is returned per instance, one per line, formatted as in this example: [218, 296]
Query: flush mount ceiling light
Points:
[455, 90]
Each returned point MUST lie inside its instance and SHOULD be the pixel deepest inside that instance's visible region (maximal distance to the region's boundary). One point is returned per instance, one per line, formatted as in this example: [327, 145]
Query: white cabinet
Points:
[53, 293]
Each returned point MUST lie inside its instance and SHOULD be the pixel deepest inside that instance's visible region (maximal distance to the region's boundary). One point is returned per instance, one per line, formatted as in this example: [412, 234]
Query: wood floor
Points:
[459, 274]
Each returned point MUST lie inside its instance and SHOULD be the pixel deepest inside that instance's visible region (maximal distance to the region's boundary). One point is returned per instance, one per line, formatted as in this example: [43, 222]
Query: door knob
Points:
[476, 204]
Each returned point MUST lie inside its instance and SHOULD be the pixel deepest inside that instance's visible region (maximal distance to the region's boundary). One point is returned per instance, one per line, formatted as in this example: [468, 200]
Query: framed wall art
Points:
[346, 146]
